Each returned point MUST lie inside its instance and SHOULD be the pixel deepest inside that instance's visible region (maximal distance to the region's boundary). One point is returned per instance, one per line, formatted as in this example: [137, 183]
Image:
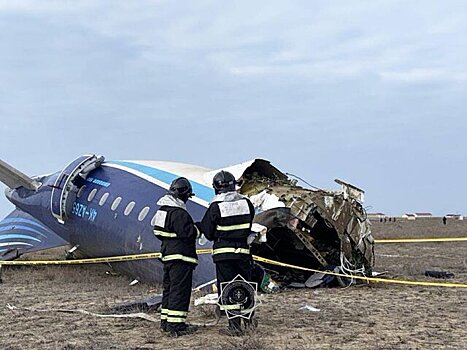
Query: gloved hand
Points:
[251, 238]
[260, 231]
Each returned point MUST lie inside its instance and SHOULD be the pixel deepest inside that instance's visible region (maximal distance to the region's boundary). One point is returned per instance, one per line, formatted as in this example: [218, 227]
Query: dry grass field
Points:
[375, 316]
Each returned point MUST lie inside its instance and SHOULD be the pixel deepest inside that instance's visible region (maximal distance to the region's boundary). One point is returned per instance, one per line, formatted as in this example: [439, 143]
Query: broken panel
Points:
[309, 227]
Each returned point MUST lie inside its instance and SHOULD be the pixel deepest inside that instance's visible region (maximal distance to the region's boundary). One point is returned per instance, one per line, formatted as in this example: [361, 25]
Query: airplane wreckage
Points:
[106, 208]
[309, 227]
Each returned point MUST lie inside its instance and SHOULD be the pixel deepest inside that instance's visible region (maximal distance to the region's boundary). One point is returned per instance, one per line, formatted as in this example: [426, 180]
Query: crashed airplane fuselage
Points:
[106, 208]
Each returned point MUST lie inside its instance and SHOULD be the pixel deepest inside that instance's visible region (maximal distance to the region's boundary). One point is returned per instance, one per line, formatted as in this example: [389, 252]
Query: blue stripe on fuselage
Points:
[21, 220]
[201, 191]
[15, 236]
[21, 227]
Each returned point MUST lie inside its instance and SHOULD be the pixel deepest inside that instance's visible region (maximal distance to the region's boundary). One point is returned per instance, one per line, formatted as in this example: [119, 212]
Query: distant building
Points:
[455, 216]
[409, 216]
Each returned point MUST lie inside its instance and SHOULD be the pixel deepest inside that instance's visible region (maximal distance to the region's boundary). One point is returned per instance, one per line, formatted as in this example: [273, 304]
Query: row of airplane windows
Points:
[116, 202]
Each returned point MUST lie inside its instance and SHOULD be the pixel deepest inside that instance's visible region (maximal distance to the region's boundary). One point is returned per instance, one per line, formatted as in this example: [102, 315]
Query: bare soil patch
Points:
[376, 316]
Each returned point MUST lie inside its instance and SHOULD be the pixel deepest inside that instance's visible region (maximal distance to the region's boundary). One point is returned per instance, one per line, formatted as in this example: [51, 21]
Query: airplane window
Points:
[129, 208]
[81, 190]
[153, 220]
[143, 213]
[103, 199]
[115, 203]
[92, 194]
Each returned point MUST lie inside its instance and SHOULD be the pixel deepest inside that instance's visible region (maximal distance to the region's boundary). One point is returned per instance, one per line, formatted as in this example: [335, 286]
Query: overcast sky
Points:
[371, 92]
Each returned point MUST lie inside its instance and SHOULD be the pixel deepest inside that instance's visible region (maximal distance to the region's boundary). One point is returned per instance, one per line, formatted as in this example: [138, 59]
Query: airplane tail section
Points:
[22, 233]
[14, 178]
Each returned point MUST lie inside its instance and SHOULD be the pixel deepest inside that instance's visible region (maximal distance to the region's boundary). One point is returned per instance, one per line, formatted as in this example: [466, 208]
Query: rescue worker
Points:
[175, 228]
[228, 222]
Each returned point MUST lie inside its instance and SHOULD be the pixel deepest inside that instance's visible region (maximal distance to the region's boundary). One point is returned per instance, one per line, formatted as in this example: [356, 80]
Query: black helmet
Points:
[181, 188]
[223, 181]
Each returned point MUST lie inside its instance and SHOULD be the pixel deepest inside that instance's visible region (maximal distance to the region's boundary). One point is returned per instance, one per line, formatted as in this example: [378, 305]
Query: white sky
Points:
[372, 92]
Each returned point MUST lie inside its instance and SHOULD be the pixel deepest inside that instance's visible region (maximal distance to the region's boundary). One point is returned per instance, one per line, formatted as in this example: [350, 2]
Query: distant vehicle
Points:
[107, 208]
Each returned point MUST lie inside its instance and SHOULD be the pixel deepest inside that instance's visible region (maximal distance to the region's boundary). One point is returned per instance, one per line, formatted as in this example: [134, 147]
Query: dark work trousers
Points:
[176, 295]
[227, 270]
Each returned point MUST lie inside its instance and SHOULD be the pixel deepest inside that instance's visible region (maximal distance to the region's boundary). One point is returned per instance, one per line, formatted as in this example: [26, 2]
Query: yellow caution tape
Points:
[368, 279]
[109, 259]
[208, 251]
[421, 240]
[84, 261]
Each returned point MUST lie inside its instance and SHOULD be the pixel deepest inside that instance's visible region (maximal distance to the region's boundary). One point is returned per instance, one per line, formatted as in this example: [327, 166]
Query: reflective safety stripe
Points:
[164, 314]
[231, 250]
[230, 307]
[164, 234]
[176, 319]
[177, 313]
[179, 257]
[233, 227]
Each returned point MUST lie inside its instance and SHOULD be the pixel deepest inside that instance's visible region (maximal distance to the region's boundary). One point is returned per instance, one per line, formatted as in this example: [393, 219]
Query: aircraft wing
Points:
[21, 233]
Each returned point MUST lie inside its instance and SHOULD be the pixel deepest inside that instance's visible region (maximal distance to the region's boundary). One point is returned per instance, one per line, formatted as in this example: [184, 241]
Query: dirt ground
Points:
[376, 316]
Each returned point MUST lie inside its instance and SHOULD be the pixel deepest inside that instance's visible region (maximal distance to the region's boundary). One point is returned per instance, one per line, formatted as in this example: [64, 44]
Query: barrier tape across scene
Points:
[133, 257]
[421, 240]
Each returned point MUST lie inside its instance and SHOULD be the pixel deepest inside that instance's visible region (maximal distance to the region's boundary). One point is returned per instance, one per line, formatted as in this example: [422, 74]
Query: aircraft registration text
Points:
[84, 212]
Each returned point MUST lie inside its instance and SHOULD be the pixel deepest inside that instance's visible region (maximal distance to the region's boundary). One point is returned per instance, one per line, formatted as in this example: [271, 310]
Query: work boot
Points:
[192, 327]
[178, 332]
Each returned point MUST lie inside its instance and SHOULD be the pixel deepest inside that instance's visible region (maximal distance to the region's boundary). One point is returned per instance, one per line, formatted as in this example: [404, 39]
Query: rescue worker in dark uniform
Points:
[228, 222]
[175, 228]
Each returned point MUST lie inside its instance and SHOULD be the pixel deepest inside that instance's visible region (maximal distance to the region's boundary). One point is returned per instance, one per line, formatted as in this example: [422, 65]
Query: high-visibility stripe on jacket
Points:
[175, 228]
[228, 224]
[230, 250]
[233, 227]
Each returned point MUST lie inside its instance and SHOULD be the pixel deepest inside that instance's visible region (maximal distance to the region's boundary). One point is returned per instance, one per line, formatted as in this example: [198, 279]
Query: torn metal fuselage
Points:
[313, 228]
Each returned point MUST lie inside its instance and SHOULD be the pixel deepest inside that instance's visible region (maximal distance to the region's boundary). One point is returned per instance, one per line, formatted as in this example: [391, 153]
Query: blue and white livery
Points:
[105, 208]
